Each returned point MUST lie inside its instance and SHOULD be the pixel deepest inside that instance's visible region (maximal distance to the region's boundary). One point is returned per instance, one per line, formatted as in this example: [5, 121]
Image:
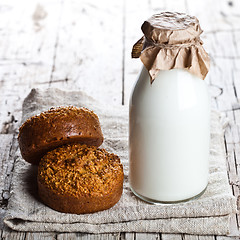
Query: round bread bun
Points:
[80, 179]
[56, 127]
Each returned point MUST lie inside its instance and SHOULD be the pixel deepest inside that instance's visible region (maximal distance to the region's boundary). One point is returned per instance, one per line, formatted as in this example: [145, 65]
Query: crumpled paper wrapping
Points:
[171, 41]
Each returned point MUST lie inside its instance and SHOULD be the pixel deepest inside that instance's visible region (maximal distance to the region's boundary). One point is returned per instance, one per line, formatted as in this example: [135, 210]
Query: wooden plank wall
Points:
[86, 45]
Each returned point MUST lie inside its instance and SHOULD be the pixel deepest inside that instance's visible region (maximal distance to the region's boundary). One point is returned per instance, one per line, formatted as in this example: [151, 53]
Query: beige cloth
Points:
[209, 214]
[172, 41]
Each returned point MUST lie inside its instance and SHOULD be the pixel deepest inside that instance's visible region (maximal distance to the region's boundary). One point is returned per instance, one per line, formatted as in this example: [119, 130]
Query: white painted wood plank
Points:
[136, 12]
[5, 148]
[110, 236]
[236, 82]
[226, 238]
[26, 55]
[12, 235]
[8, 147]
[172, 237]
[221, 74]
[41, 236]
[129, 236]
[67, 236]
[216, 15]
[236, 39]
[225, 46]
[25, 45]
[148, 236]
[222, 67]
[173, 5]
[206, 238]
[89, 49]
[190, 237]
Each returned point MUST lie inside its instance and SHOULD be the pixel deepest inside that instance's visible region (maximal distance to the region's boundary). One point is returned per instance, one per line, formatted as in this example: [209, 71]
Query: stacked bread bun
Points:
[74, 175]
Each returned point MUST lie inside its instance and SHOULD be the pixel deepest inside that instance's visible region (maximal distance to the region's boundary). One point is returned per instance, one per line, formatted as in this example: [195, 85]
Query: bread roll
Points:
[80, 179]
[57, 127]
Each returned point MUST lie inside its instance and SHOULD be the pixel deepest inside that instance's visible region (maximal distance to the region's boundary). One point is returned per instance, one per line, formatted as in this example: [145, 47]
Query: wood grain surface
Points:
[86, 45]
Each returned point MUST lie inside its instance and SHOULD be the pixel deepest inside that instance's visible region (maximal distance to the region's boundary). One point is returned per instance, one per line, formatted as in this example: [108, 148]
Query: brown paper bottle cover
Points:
[172, 40]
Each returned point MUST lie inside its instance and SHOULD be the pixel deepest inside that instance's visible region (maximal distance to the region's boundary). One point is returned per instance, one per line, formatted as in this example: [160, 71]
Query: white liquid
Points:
[169, 136]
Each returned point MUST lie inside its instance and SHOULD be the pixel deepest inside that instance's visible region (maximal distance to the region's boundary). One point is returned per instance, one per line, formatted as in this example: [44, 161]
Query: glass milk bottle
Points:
[169, 112]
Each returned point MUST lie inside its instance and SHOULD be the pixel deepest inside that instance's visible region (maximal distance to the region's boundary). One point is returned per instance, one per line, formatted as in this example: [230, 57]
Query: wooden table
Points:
[86, 45]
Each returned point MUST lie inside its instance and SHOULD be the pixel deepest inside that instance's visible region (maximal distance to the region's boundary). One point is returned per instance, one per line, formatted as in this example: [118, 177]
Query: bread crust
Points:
[56, 127]
[80, 179]
[83, 204]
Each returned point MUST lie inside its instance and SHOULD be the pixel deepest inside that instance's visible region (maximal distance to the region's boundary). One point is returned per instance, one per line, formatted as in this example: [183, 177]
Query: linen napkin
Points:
[209, 214]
